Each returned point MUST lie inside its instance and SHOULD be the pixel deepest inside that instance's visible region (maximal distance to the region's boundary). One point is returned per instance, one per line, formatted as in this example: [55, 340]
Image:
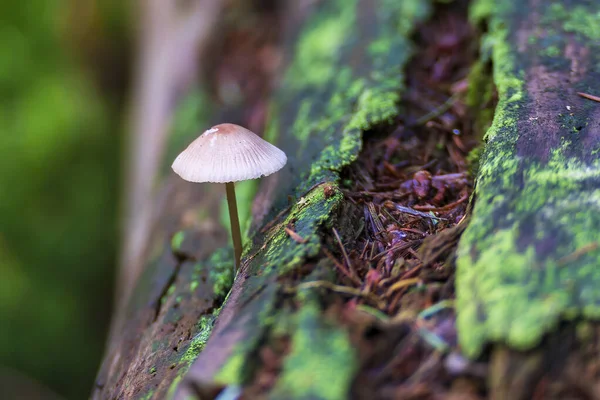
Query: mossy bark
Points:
[529, 257]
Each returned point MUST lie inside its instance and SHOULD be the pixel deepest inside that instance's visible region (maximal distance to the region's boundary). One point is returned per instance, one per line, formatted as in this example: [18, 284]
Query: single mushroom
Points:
[229, 153]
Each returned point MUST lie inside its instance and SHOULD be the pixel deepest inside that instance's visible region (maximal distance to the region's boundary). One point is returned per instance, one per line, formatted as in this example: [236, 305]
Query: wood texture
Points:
[529, 257]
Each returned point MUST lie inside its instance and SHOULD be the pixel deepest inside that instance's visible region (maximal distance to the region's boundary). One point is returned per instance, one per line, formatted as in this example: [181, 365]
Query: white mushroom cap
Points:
[228, 153]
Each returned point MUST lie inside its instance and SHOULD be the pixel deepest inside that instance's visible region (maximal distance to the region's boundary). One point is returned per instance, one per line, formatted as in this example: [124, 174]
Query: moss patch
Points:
[582, 19]
[480, 94]
[322, 362]
[279, 255]
[319, 47]
[205, 326]
[328, 98]
[283, 253]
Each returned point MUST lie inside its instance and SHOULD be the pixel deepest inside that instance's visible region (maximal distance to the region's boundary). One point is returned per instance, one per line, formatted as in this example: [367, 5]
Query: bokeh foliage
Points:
[59, 165]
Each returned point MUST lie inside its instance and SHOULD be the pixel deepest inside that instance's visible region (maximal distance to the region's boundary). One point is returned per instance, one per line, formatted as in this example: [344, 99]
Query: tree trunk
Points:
[528, 258]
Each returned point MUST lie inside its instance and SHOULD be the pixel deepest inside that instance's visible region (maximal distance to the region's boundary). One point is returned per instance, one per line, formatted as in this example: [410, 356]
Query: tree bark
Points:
[527, 259]
[527, 276]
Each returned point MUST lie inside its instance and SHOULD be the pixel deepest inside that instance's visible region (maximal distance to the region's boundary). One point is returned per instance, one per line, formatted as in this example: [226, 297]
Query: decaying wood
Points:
[528, 260]
[522, 267]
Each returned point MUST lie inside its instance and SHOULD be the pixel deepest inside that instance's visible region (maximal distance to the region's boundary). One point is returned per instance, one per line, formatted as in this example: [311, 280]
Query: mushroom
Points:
[229, 153]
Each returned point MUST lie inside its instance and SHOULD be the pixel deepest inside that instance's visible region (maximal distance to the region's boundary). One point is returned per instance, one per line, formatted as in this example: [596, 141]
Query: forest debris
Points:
[402, 284]
[412, 211]
[437, 112]
[343, 249]
[463, 198]
[339, 289]
[295, 236]
[400, 180]
[341, 267]
[589, 96]
[578, 253]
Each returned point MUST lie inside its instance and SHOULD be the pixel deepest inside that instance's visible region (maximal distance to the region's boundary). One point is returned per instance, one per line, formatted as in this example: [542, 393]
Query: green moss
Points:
[318, 47]
[374, 107]
[509, 80]
[322, 361]
[473, 159]
[230, 374]
[279, 255]
[171, 290]
[480, 94]
[380, 47]
[552, 51]
[307, 217]
[220, 266]
[205, 326]
[480, 11]
[405, 15]
[351, 101]
[580, 19]
[220, 272]
[173, 387]
[479, 81]
[521, 295]
[147, 396]
[302, 126]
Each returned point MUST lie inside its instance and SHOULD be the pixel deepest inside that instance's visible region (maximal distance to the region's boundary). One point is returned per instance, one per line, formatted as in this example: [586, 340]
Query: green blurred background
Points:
[64, 69]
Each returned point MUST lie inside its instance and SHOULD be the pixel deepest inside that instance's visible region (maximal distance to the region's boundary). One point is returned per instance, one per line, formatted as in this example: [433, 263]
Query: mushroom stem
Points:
[235, 223]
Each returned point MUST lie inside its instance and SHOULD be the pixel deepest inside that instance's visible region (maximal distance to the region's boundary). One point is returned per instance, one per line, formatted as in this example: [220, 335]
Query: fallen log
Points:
[526, 278]
[528, 258]
[345, 77]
